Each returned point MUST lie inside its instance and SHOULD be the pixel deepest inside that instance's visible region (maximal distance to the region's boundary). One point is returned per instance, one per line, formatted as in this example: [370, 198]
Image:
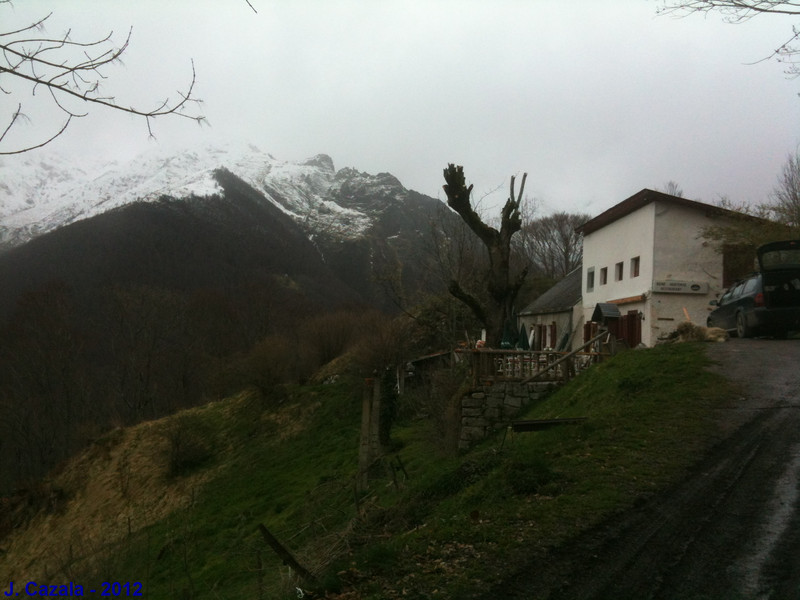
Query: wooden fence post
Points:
[286, 556]
[364, 455]
[375, 422]
[370, 445]
[259, 576]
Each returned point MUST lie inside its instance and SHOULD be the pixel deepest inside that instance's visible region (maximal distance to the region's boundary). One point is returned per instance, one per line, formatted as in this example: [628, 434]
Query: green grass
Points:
[457, 523]
[648, 416]
[299, 487]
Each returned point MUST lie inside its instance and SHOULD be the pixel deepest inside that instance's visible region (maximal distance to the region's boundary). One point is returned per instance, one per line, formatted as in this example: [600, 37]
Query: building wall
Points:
[682, 255]
[619, 242]
[622, 241]
[563, 321]
[667, 240]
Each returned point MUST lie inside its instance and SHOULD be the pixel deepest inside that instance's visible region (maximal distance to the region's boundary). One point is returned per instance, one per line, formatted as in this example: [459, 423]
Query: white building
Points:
[647, 256]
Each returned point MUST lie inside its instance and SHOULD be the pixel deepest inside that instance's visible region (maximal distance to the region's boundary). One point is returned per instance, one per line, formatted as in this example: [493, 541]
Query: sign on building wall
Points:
[669, 286]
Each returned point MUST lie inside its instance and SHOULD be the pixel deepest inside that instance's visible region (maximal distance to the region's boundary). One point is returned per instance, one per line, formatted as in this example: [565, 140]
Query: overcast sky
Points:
[594, 99]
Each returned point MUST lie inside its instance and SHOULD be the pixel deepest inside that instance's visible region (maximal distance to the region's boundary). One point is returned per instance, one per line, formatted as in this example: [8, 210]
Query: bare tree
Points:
[552, 244]
[672, 188]
[749, 226]
[739, 11]
[495, 306]
[785, 197]
[70, 72]
[745, 225]
[741, 230]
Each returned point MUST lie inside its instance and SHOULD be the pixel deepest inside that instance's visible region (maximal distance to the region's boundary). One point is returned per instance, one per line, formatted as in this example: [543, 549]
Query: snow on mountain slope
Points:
[43, 191]
[34, 186]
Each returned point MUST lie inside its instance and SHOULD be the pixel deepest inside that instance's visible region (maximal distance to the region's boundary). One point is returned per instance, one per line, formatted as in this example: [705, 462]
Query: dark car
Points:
[767, 302]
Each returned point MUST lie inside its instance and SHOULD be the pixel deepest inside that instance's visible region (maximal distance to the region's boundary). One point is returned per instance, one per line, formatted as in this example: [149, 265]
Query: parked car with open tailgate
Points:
[767, 302]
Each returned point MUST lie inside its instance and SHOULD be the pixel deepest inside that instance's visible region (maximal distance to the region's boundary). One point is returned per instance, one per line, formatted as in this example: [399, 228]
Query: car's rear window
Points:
[781, 259]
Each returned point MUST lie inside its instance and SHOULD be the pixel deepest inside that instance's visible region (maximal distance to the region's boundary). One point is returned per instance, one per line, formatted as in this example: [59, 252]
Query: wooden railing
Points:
[526, 365]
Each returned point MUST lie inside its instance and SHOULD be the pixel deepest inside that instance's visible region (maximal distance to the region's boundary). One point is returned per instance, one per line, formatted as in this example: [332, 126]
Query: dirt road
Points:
[730, 531]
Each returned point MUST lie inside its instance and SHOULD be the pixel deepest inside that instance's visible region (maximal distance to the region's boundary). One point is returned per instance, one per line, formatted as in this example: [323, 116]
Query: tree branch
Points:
[517, 285]
[473, 303]
[34, 147]
[739, 11]
[511, 216]
[458, 198]
[47, 62]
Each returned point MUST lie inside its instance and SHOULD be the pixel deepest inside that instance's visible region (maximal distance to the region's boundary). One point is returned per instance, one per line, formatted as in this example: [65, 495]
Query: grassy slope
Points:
[649, 416]
[455, 524]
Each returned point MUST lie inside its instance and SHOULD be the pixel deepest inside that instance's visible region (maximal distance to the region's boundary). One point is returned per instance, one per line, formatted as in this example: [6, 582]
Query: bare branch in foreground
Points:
[739, 11]
[72, 72]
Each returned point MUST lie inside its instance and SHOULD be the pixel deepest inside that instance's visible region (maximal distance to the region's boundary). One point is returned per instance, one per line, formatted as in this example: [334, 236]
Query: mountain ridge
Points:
[185, 276]
[366, 228]
[40, 194]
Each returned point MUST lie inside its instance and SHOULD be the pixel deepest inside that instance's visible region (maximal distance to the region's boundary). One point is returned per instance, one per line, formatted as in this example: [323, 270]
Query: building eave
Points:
[643, 198]
[561, 297]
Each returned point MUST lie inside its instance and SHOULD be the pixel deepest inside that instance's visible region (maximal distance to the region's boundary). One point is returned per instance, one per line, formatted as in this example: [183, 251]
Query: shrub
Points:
[189, 443]
[328, 336]
[273, 361]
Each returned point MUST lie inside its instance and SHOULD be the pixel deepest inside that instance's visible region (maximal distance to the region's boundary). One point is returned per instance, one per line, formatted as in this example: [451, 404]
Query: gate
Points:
[629, 328]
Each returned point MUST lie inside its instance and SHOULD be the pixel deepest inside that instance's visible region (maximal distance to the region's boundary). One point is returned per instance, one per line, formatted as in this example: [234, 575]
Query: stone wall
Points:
[490, 408]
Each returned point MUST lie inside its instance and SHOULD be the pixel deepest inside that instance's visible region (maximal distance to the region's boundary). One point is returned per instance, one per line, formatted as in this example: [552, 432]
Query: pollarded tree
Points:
[494, 307]
[71, 73]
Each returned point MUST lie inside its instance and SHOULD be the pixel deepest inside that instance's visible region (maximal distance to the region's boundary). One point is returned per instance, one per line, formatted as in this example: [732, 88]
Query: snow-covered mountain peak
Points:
[42, 191]
[321, 161]
[361, 191]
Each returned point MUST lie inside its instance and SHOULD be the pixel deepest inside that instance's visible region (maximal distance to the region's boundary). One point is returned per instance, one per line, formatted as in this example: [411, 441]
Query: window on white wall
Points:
[590, 279]
[618, 272]
[604, 276]
[635, 266]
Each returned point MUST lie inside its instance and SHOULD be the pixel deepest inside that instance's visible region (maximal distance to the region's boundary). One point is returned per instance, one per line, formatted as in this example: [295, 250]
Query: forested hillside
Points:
[151, 307]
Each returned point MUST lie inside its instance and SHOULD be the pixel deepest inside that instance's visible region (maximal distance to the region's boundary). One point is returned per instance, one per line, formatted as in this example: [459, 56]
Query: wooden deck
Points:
[489, 366]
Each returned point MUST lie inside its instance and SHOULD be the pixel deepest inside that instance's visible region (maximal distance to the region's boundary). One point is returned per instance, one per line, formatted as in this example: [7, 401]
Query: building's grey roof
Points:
[605, 310]
[559, 298]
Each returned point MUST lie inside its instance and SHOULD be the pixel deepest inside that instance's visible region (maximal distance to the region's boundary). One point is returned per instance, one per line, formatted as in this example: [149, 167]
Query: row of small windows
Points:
[618, 273]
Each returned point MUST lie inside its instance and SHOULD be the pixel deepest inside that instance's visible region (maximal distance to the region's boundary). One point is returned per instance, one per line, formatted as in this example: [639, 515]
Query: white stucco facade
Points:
[647, 254]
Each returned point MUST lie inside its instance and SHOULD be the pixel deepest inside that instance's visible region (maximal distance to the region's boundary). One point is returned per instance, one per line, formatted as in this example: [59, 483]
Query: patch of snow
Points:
[40, 192]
